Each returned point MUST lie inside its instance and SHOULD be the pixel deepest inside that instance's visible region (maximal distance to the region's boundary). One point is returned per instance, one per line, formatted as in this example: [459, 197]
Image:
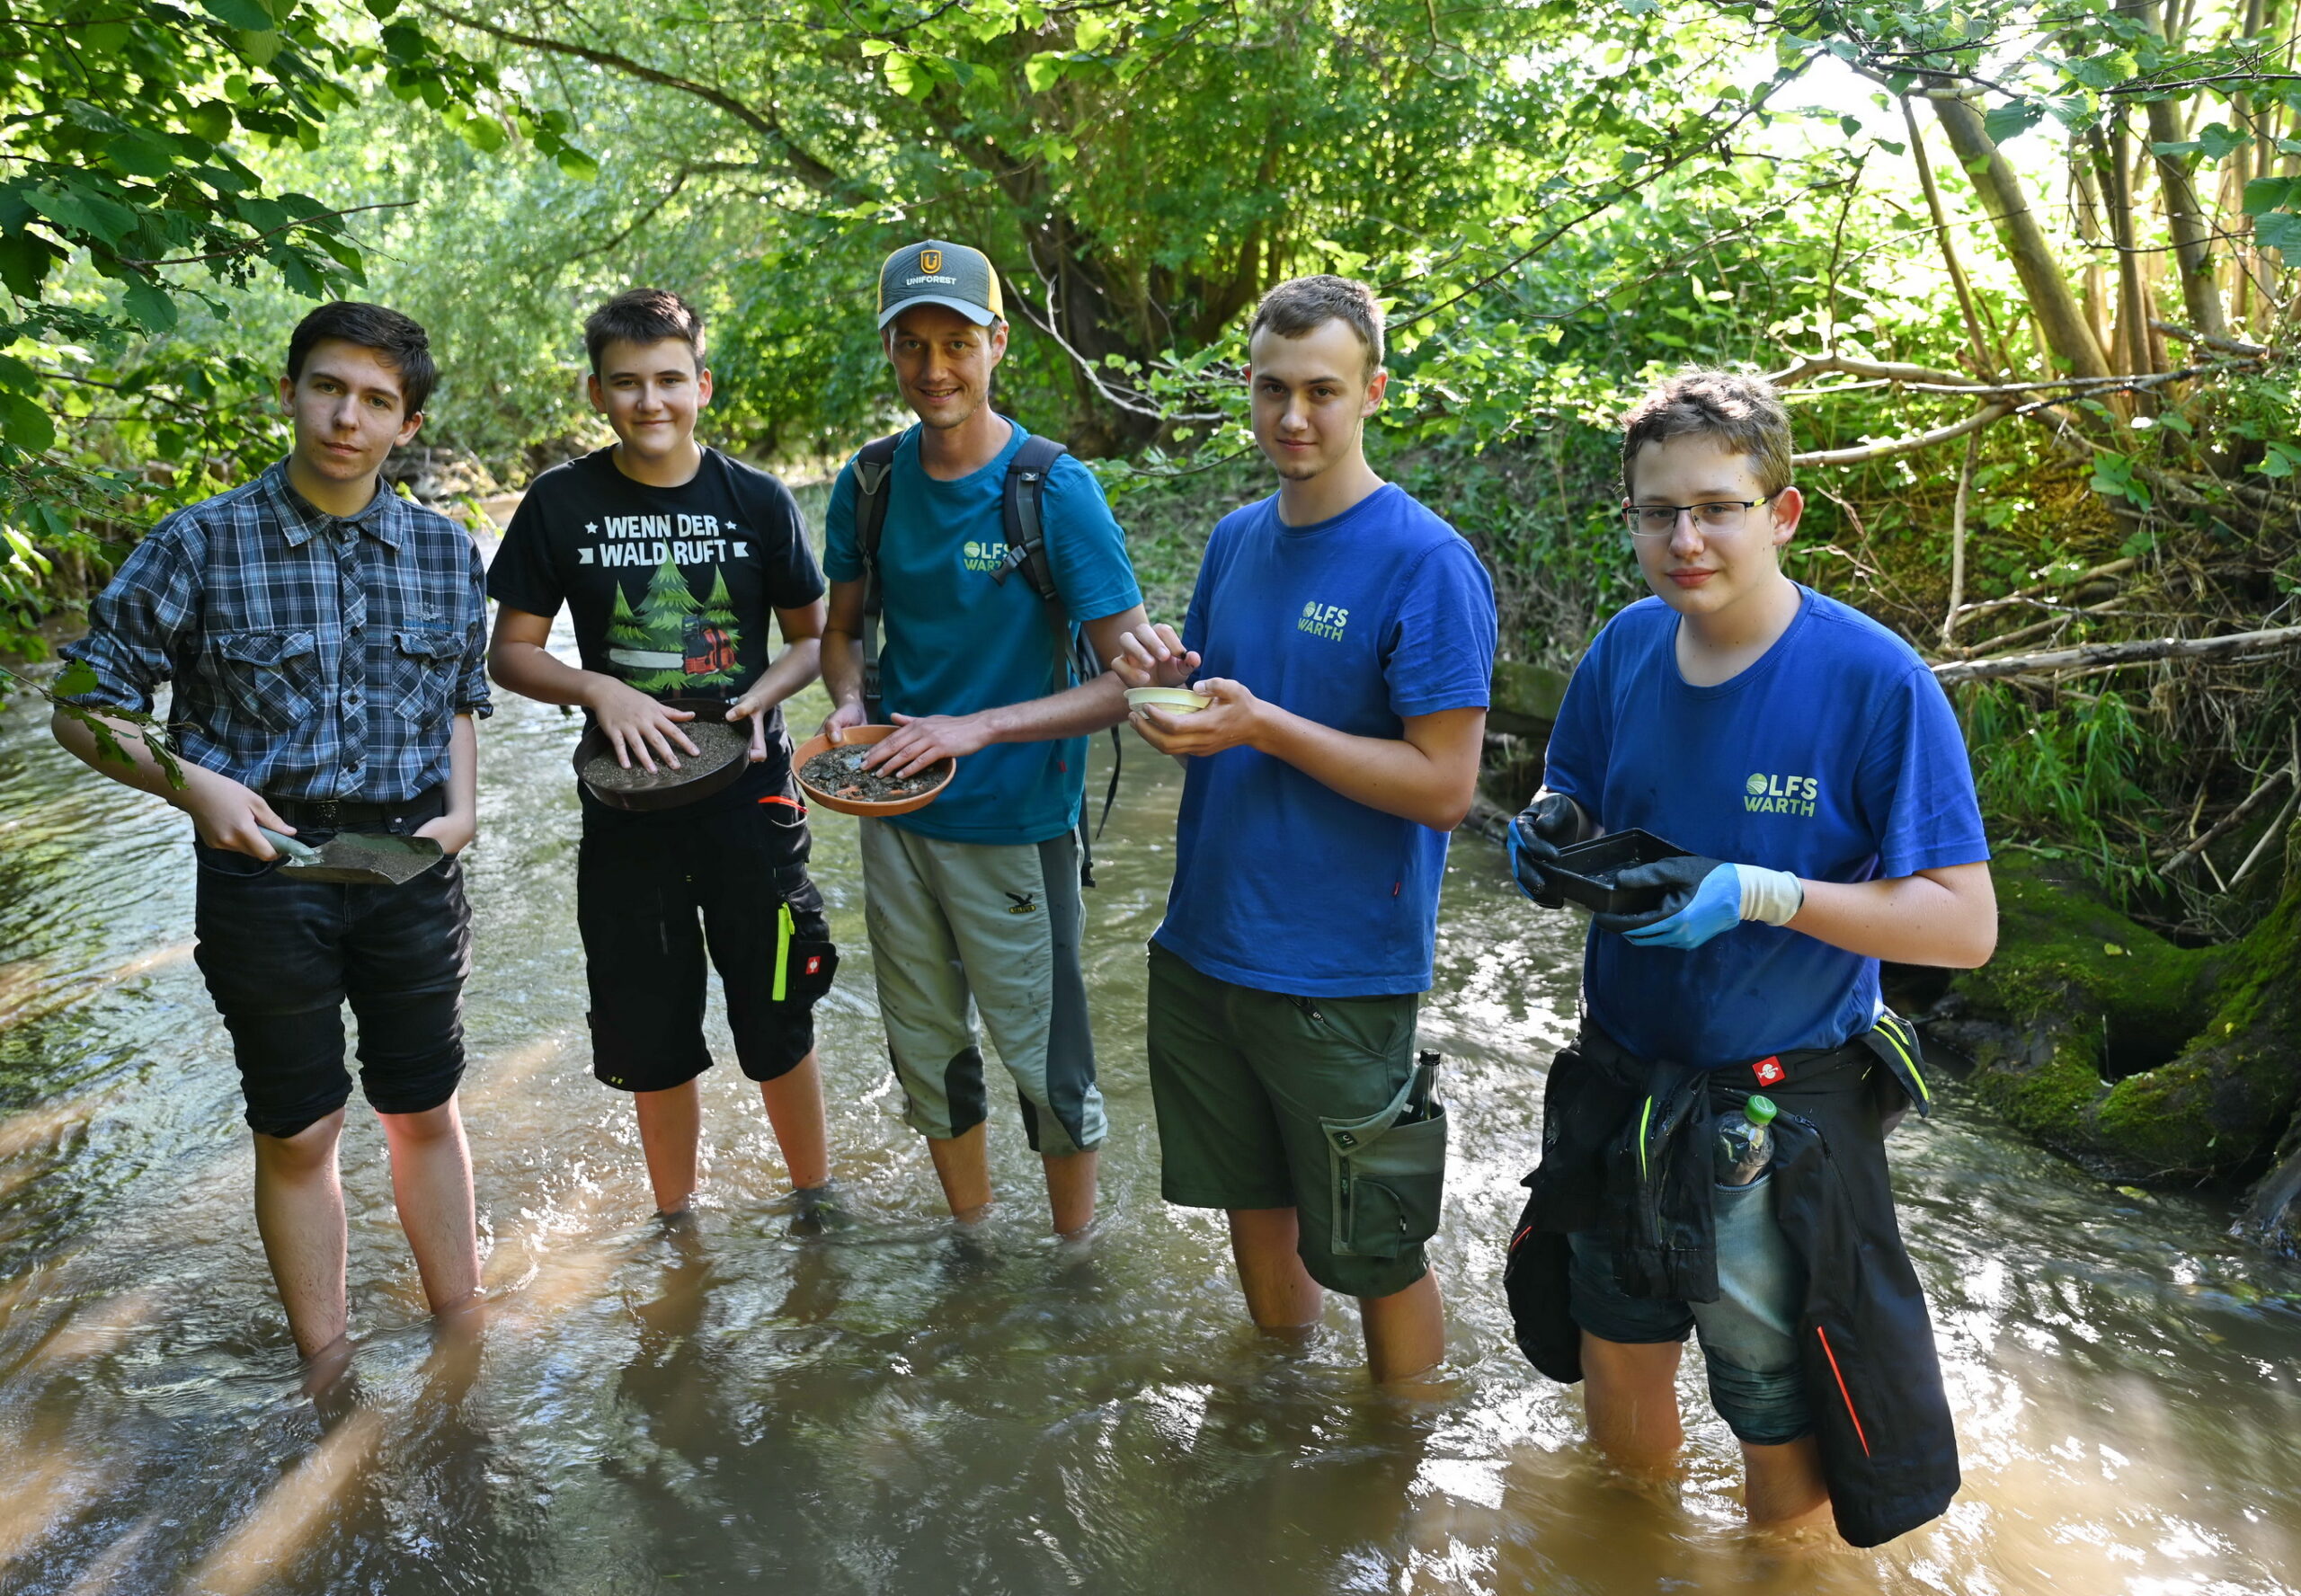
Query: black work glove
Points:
[1551, 822]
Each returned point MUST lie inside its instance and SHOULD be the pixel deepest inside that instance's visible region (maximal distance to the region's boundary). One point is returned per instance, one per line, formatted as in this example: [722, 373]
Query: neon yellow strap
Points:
[783, 929]
[1915, 1074]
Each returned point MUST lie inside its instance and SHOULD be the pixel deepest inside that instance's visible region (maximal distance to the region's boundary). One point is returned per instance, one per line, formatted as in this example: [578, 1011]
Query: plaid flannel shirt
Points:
[314, 656]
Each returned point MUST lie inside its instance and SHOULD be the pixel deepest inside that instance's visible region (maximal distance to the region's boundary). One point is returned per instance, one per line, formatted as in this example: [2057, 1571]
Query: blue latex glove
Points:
[1699, 899]
[1541, 828]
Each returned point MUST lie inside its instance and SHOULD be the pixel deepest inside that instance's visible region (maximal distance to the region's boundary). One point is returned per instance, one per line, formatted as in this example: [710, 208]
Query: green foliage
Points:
[136, 210]
[76, 679]
[1556, 203]
[2067, 772]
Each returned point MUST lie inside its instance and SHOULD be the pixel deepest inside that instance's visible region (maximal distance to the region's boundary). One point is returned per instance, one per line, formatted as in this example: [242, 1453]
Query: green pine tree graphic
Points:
[663, 622]
[719, 609]
[719, 614]
[623, 623]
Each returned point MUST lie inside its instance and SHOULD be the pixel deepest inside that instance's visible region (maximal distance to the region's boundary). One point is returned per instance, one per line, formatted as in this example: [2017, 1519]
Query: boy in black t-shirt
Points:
[670, 556]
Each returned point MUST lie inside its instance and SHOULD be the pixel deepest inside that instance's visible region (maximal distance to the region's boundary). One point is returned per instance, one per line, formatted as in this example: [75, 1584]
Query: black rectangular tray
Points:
[1584, 874]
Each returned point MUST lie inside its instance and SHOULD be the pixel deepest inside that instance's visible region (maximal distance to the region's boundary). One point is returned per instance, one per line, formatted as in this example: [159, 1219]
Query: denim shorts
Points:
[1749, 1335]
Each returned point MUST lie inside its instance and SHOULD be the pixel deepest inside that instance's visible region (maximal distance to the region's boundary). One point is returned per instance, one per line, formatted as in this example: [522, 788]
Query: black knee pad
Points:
[292, 1067]
[411, 1048]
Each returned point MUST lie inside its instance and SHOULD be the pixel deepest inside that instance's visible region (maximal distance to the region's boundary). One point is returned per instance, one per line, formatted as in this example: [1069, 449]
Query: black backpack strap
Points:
[1022, 510]
[874, 465]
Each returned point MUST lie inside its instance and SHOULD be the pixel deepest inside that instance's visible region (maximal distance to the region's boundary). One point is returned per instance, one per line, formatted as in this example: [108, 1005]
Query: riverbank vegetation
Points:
[2024, 270]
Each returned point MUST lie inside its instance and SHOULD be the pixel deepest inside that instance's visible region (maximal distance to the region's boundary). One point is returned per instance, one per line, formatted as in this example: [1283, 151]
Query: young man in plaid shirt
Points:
[326, 638]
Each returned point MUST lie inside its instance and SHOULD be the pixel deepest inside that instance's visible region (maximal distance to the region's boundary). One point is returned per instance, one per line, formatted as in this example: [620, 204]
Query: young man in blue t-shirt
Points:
[1346, 636]
[972, 902]
[1808, 763]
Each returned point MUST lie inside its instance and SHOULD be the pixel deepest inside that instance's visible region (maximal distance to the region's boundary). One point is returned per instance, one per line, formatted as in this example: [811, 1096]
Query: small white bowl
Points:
[1173, 700]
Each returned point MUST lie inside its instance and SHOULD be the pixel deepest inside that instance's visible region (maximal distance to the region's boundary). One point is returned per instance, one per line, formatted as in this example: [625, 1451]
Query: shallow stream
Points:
[892, 1407]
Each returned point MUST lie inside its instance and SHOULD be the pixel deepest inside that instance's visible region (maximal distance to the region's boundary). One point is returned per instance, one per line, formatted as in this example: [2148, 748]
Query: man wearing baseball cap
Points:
[974, 902]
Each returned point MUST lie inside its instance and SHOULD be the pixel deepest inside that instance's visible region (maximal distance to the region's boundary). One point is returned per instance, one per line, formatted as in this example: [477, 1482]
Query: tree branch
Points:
[1863, 453]
[1957, 537]
[1922, 379]
[1850, 366]
[1607, 201]
[242, 248]
[1052, 327]
[804, 166]
[2024, 595]
[2235, 346]
[2120, 653]
[2227, 823]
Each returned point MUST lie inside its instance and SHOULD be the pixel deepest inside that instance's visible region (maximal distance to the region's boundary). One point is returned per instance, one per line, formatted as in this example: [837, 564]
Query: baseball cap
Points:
[934, 272]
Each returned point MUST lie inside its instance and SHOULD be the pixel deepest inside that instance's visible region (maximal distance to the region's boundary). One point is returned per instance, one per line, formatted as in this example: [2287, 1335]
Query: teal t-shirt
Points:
[953, 640]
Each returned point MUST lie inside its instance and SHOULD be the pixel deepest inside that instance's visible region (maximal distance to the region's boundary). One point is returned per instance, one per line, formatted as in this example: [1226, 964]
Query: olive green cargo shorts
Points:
[1267, 1100]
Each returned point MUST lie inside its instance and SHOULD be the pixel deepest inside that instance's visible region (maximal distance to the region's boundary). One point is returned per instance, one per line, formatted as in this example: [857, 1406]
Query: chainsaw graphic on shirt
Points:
[674, 641]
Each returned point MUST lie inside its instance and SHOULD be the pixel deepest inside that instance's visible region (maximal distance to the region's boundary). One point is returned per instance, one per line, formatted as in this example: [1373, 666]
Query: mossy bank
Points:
[2143, 1061]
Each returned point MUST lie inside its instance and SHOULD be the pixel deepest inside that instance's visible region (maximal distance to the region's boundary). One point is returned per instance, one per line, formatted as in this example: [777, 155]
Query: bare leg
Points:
[1279, 1293]
[963, 1167]
[1785, 1490]
[1070, 1189]
[670, 1126]
[431, 1186]
[795, 1107]
[299, 1214]
[1632, 1399]
[1406, 1331]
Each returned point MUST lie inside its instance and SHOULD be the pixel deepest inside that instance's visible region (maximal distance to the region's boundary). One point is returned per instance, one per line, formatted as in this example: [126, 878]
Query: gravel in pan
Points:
[839, 772]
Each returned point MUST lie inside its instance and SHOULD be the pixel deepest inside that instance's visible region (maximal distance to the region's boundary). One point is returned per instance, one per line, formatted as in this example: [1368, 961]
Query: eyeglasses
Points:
[1661, 521]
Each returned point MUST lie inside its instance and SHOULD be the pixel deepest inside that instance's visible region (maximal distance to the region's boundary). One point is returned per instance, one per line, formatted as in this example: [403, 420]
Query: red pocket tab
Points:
[1769, 1071]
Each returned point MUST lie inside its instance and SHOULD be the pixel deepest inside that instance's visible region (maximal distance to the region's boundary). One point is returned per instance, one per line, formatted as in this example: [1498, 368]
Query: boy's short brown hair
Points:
[1742, 413]
[644, 316]
[1295, 308]
[402, 345]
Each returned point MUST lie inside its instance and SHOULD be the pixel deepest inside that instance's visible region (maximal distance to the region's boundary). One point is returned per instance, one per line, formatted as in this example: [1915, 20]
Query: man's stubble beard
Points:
[955, 423]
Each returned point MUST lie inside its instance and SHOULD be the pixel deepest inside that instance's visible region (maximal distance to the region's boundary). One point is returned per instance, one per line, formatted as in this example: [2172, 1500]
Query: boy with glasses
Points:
[1810, 766]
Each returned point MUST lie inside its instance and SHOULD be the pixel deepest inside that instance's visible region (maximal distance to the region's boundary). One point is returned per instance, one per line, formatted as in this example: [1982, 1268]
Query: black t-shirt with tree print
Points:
[670, 590]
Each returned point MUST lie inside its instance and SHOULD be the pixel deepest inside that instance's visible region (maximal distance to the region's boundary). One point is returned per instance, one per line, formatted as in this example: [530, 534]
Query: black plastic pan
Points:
[1585, 872]
[695, 779]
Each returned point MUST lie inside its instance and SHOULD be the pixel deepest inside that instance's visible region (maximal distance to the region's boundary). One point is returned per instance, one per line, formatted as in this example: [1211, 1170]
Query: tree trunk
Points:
[1984, 366]
[2060, 317]
[2131, 349]
[2085, 208]
[2192, 231]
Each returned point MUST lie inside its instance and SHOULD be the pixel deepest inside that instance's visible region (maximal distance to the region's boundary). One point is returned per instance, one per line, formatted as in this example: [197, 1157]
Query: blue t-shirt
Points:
[1835, 756]
[953, 640]
[1281, 883]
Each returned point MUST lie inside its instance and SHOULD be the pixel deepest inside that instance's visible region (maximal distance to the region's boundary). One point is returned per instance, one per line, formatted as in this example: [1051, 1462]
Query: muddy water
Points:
[892, 1407]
